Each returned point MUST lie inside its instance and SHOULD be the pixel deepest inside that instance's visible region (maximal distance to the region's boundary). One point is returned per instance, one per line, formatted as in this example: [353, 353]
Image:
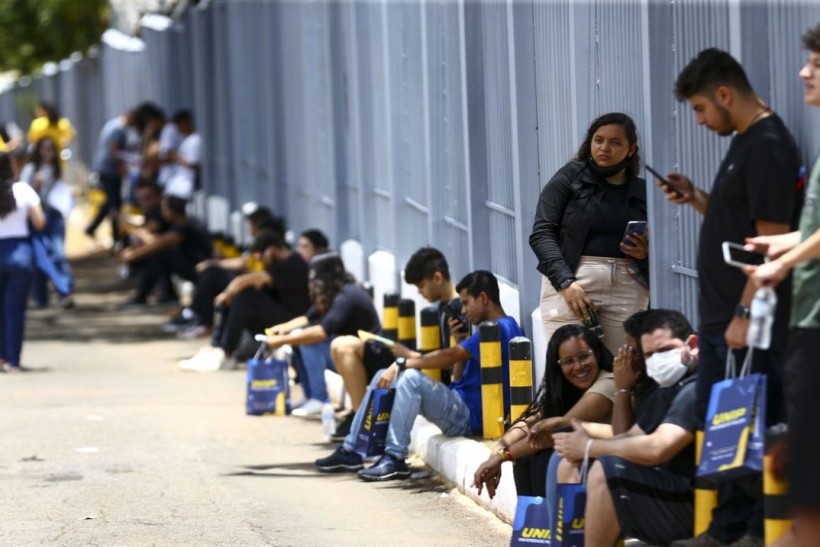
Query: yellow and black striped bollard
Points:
[430, 339]
[390, 326]
[777, 520]
[492, 390]
[705, 493]
[520, 376]
[407, 323]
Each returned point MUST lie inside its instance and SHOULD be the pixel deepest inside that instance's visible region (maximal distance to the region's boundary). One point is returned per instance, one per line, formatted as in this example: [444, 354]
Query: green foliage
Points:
[33, 32]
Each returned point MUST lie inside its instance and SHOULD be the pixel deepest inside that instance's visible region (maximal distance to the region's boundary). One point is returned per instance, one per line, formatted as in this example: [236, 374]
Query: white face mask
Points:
[666, 367]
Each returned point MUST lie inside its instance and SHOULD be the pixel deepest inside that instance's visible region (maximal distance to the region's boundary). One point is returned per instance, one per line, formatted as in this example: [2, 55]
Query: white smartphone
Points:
[263, 338]
[737, 255]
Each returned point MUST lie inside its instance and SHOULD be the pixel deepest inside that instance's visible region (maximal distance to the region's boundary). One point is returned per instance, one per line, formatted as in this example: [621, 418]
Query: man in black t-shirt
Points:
[641, 483]
[254, 300]
[757, 191]
[176, 251]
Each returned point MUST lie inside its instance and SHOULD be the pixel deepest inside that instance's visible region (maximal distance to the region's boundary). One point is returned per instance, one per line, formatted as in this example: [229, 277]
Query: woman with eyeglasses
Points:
[578, 383]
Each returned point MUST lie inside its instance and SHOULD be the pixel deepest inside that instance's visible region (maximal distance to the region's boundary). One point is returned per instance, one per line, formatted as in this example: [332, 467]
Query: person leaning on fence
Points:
[577, 384]
[358, 361]
[255, 300]
[456, 409]
[340, 307]
[578, 233]
[641, 482]
[756, 191]
[799, 252]
[19, 206]
[175, 252]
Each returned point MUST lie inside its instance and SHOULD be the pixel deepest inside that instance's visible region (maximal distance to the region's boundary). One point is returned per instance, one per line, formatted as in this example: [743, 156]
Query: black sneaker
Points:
[180, 322]
[343, 428]
[387, 468]
[341, 461]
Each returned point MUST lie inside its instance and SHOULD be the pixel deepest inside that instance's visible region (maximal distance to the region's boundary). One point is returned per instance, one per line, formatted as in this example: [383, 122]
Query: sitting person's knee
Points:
[596, 478]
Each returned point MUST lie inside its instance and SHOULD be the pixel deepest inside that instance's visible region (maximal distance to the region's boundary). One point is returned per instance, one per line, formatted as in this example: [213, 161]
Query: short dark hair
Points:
[183, 115]
[424, 264]
[481, 281]
[584, 153]
[175, 204]
[266, 239]
[673, 320]
[632, 325]
[811, 39]
[317, 238]
[144, 183]
[711, 69]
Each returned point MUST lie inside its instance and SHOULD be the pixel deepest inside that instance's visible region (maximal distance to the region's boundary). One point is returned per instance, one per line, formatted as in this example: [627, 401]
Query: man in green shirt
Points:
[800, 251]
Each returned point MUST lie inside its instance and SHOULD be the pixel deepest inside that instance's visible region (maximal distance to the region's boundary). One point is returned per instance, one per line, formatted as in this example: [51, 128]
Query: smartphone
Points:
[736, 254]
[634, 227]
[452, 309]
[664, 181]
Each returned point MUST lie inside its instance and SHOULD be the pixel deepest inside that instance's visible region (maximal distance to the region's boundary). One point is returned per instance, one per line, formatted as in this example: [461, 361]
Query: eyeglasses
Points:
[582, 358]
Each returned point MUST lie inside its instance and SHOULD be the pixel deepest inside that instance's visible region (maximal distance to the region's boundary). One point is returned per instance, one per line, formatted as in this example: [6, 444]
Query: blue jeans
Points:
[416, 393]
[56, 268]
[740, 504]
[16, 263]
[310, 361]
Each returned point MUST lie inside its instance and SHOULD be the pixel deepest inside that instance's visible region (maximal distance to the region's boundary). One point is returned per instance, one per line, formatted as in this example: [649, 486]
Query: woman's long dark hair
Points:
[555, 394]
[584, 153]
[327, 276]
[37, 157]
[7, 201]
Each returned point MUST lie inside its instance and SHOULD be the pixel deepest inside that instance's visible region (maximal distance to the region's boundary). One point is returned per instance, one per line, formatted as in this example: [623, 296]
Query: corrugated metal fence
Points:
[404, 123]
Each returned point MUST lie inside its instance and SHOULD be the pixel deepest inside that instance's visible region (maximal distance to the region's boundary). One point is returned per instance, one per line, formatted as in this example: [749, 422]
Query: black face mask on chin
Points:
[606, 172]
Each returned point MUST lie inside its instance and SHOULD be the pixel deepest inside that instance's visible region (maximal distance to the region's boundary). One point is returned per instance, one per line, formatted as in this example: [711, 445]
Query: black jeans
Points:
[161, 266]
[112, 186]
[530, 474]
[211, 282]
[253, 310]
[740, 502]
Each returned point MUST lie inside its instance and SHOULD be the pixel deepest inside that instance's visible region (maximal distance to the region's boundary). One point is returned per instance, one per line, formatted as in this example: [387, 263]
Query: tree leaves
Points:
[33, 32]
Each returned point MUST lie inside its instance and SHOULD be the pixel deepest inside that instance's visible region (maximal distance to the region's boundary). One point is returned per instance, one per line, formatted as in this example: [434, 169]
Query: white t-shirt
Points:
[183, 180]
[15, 224]
[170, 140]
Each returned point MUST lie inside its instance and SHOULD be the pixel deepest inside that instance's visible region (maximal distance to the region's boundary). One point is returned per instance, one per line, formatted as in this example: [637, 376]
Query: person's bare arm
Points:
[37, 217]
[308, 335]
[160, 243]
[282, 328]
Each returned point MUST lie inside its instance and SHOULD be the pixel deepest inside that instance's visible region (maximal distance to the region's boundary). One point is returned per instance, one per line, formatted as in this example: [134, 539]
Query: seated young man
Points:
[641, 483]
[257, 299]
[456, 408]
[358, 361]
[176, 251]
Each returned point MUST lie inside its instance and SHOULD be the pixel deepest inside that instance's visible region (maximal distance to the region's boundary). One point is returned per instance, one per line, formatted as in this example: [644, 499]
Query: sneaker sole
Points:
[400, 475]
[341, 468]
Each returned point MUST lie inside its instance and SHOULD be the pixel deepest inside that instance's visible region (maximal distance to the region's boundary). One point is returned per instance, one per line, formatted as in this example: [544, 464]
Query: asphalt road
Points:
[107, 442]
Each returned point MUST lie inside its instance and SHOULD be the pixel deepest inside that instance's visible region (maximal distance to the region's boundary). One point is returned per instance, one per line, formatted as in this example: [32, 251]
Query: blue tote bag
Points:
[267, 385]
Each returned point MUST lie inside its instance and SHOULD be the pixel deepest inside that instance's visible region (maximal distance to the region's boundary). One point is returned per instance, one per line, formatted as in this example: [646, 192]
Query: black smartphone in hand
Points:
[664, 181]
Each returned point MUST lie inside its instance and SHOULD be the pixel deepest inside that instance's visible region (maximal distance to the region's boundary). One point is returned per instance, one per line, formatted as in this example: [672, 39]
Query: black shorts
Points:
[803, 400]
[376, 357]
[652, 504]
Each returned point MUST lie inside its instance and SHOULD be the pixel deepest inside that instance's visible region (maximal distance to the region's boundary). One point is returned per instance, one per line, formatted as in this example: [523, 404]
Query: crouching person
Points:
[641, 483]
[455, 409]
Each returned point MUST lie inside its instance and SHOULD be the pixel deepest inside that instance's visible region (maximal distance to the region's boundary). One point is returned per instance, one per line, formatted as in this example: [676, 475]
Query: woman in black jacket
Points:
[589, 266]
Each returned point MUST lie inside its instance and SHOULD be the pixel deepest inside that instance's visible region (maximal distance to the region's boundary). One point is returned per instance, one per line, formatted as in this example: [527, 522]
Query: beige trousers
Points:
[609, 283]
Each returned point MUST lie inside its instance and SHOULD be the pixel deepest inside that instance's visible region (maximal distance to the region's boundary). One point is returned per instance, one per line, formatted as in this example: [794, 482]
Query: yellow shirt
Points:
[62, 133]
[2, 145]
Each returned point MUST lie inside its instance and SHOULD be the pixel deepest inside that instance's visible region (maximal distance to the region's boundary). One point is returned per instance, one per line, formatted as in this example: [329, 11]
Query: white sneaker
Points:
[207, 359]
[311, 408]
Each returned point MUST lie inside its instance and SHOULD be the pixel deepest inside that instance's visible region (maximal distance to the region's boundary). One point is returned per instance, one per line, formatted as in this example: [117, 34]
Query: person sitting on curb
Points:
[641, 483]
[176, 251]
[340, 306]
[358, 361]
[456, 409]
[256, 299]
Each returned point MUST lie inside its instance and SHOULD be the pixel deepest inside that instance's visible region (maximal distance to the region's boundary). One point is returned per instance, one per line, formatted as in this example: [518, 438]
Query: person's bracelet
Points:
[503, 453]
[623, 390]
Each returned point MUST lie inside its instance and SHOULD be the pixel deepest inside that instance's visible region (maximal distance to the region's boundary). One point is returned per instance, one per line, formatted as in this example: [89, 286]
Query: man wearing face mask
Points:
[641, 483]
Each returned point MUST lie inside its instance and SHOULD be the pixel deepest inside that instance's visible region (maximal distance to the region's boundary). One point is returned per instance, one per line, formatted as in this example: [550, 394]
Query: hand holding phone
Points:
[452, 310]
[735, 254]
[634, 227]
[674, 187]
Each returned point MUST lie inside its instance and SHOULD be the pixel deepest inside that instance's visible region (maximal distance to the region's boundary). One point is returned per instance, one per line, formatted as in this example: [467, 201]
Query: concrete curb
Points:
[456, 459]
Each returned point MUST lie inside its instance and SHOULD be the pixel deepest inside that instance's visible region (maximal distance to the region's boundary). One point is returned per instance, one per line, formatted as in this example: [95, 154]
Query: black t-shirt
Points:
[757, 180]
[196, 243]
[155, 217]
[290, 283]
[351, 311]
[606, 231]
[672, 405]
